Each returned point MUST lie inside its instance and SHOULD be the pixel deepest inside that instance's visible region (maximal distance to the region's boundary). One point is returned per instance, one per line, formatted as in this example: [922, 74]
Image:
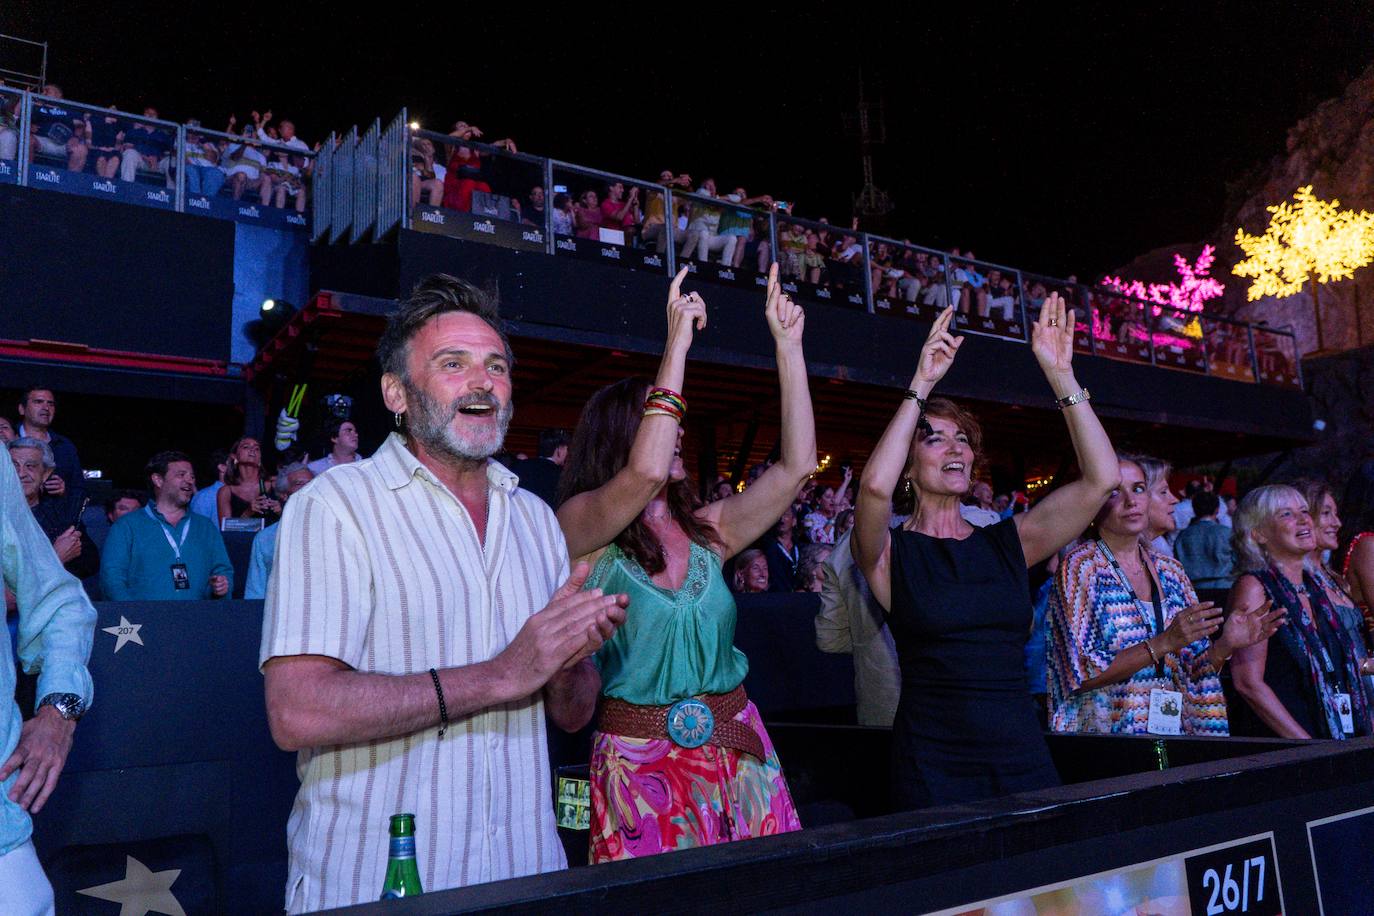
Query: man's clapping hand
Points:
[571, 627]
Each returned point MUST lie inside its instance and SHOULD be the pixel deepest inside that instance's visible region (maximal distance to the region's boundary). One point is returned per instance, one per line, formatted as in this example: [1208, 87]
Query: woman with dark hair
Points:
[246, 493]
[958, 597]
[680, 758]
[1354, 556]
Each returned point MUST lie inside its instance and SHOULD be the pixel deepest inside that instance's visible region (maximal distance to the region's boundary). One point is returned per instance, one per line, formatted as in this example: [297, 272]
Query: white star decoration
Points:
[141, 891]
[125, 632]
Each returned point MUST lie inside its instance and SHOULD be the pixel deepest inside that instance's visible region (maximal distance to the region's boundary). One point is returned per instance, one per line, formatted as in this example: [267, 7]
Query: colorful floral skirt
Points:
[650, 795]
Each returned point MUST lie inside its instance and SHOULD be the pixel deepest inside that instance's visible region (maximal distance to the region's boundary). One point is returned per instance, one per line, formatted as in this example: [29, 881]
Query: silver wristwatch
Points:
[68, 705]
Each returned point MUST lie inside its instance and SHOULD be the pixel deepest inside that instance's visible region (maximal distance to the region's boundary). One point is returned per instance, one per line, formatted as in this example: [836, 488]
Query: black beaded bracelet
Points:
[911, 395]
[443, 709]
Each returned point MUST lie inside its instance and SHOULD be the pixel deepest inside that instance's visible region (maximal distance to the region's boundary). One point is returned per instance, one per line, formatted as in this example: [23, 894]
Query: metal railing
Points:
[72, 147]
[876, 274]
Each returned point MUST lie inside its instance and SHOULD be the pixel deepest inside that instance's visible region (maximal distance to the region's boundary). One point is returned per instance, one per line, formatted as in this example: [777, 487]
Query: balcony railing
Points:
[75, 148]
[365, 186]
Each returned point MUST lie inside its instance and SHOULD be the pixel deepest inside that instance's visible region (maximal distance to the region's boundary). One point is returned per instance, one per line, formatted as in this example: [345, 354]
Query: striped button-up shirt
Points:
[379, 565]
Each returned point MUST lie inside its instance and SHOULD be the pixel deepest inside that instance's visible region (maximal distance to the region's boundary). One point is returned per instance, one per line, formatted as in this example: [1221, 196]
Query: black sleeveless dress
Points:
[966, 726]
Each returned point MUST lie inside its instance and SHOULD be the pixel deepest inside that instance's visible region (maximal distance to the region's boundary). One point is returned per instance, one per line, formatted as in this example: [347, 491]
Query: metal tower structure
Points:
[868, 124]
[23, 63]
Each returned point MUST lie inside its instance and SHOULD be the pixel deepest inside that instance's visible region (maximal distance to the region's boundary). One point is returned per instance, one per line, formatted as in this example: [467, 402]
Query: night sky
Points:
[1064, 141]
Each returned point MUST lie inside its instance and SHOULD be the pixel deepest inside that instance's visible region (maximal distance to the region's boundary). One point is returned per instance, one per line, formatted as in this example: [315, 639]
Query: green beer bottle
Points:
[402, 877]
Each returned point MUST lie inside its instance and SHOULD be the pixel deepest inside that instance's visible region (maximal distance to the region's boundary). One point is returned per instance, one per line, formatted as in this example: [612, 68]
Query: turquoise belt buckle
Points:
[690, 723]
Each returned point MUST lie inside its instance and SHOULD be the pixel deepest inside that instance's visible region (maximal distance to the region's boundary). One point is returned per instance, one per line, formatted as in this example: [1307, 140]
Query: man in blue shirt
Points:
[164, 552]
[56, 628]
[146, 146]
[37, 408]
[204, 502]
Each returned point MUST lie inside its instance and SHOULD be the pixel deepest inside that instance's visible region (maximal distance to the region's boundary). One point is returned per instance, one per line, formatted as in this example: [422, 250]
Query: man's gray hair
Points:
[49, 461]
[285, 471]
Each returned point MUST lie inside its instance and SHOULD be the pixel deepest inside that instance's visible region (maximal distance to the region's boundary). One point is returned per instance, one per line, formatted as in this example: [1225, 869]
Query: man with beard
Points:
[424, 622]
[163, 552]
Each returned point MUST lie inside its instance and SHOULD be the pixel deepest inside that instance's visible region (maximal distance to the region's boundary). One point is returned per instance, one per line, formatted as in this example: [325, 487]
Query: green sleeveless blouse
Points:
[672, 645]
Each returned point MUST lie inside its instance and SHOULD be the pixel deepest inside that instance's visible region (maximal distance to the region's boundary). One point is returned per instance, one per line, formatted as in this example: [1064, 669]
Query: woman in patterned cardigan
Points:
[1125, 622]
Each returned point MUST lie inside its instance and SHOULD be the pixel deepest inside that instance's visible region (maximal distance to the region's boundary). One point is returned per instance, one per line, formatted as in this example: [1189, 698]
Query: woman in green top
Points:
[680, 758]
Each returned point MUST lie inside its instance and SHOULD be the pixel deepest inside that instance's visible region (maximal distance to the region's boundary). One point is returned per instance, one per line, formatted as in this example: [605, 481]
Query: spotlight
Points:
[267, 306]
[414, 125]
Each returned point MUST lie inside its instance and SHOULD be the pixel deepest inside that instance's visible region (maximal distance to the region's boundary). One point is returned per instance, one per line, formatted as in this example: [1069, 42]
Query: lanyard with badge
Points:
[1166, 706]
[181, 578]
[1316, 647]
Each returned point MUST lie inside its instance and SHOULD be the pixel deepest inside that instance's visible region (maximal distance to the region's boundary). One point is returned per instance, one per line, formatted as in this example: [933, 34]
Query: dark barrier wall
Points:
[606, 306]
[114, 276]
[173, 770]
[1257, 810]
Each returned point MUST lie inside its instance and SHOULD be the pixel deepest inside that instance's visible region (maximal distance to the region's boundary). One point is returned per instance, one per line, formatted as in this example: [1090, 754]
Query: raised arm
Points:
[740, 519]
[593, 519]
[871, 541]
[1062, 516]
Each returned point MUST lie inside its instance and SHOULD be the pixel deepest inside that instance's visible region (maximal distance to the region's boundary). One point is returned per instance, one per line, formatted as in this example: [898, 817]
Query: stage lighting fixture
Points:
[414, 125]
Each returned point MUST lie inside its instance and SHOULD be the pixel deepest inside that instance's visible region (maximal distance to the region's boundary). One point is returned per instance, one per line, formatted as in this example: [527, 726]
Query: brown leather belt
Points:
[630, 720]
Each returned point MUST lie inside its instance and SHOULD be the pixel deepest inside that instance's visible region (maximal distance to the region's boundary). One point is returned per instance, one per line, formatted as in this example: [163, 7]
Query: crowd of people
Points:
[269, 163]
[614, 598]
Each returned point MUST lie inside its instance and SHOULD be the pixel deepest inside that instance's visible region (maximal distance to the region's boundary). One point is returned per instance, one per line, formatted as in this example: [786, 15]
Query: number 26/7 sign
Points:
[1234, 880]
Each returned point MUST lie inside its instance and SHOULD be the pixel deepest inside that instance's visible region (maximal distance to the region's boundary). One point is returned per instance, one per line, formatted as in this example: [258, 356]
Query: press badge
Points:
[181, 579]
[1342, 701]
[1166, 712]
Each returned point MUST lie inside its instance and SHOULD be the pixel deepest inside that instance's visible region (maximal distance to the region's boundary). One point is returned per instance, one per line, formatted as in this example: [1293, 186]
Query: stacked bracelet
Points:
[665, 402]
[911, 395]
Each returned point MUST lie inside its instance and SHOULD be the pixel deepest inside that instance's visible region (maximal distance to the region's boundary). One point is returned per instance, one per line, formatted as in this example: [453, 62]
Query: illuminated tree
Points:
[1190, 293]
[1307, 239]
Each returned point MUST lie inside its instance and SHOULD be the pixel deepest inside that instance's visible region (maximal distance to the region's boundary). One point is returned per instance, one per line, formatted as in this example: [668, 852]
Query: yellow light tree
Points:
[1306, 239]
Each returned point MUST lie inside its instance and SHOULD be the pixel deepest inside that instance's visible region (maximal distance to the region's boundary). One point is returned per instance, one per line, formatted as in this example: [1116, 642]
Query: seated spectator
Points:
[532, 210]
[54, 129]
[739, 222]
[99, 518]
[205, 501]
[105, 138]
[783, 554]
[58, 515]
[848, 258]
[541, 474]
[620, 211]
[37, 410]
[281, 178]
[813, 556]
[245, 163]
[146, 146]
[342, 436]
[703, 229]
[203, 173]
[588, 216]
[426, 176]
[751, 572]
[1204, 549]
[9, 126]
[1306, 680]
[563, 216]
[165, 552]
[6, 430]
[290, 478]
[851, 621]
[246, 493]
[655, 211]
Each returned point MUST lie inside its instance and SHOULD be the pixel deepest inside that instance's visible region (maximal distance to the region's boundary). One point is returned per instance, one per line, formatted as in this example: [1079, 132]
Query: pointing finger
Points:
[675, 288]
